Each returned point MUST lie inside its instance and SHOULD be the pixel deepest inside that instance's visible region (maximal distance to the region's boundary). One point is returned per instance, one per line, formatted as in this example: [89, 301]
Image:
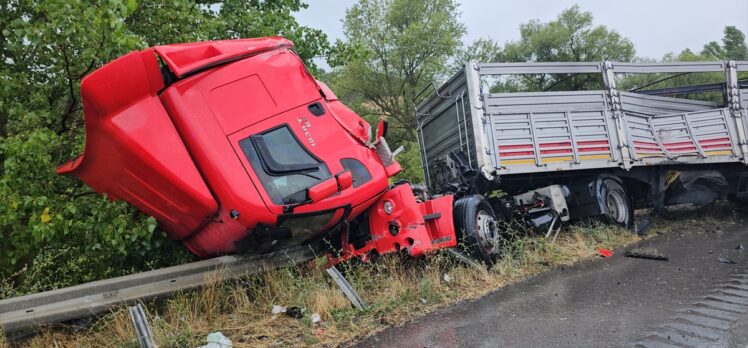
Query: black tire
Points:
[472, 215]
[615, 203]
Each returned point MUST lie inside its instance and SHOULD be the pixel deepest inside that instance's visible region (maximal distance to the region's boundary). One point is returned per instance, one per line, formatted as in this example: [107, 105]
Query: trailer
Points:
[564, 155]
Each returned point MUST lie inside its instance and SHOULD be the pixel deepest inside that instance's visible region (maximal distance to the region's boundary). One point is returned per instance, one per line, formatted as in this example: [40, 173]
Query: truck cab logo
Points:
[305, 127]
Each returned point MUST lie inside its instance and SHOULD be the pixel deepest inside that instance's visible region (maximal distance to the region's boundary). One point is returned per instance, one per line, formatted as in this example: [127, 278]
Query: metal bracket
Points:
[614, 98]
[346, 288]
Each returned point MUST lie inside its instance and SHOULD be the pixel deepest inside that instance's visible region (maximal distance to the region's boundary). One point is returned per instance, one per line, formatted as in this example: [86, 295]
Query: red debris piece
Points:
[604, 252]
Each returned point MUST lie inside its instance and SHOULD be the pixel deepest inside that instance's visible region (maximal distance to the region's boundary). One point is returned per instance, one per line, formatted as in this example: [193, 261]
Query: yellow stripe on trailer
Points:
[723, 152]
[556, 159]
[590, 157]
[518, 161]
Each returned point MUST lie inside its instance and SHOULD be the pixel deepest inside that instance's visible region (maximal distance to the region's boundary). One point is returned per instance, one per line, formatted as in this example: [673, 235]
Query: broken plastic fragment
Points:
[278, 309]
[316, 318]
[604, 252]
[217, 340]
[447, 278]
[726, 260]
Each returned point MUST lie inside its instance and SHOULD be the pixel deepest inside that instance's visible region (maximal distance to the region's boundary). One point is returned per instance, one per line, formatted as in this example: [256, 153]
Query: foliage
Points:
[482, 50]
[47, 48]
[733, 46]
[571, 37]
[393, 49]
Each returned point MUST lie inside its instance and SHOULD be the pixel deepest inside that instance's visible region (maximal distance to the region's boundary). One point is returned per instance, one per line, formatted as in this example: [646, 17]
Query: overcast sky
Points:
[655, 26]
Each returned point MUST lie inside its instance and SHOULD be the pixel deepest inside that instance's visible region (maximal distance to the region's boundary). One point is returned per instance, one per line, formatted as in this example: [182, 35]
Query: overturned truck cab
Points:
[233, 146]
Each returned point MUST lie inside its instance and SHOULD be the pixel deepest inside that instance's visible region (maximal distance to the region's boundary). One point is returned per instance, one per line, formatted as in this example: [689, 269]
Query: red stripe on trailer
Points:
[716, 146]
[566, 144]
[519, 146]
[517, 153]
[549, 152]
[594, 149]
[715, 140]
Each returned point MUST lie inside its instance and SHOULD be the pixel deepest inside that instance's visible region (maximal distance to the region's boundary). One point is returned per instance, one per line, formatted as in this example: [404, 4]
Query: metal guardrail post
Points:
[142, 328]
[346, 287]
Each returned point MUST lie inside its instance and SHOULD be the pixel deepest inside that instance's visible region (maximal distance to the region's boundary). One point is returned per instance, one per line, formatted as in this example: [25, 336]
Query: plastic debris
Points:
[447, 278]
[316, 318]
[650, 254]
[294, 312]
[643, 226]
[423, 300]
[217, 340]
[726, 260]
[278, 309]
[739, 247]
[604, 252]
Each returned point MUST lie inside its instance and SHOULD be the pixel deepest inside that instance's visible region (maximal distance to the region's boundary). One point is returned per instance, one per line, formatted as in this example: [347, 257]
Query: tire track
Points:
[707, 321]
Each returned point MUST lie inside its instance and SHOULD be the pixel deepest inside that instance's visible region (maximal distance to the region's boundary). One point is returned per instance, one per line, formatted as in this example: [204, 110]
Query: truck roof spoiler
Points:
[188, 59]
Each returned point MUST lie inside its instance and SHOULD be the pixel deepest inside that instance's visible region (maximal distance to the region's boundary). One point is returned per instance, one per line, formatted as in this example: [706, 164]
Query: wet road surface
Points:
[693, 300]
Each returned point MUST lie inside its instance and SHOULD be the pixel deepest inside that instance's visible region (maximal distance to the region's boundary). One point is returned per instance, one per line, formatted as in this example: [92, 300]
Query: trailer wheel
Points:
[617, 208]
[477, 228]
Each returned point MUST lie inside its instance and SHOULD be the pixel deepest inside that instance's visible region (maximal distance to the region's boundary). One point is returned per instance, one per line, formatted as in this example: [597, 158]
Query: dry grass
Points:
[397, 289]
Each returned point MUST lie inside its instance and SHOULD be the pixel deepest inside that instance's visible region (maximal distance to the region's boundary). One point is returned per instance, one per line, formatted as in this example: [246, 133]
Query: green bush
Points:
[55, 231]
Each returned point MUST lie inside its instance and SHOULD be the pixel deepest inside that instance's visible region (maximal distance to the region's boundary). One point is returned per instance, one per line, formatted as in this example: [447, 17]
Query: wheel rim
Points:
[616, 207]
[488, 231]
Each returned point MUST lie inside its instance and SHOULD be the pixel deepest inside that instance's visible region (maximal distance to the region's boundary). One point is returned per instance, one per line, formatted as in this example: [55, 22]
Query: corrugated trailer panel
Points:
[532, 132]
[549, 131]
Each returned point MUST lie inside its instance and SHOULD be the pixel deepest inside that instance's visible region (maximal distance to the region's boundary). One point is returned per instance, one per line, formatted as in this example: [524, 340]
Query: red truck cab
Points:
[233, 146]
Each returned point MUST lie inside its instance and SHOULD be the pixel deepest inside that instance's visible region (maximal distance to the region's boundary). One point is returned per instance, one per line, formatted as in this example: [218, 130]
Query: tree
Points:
[571, 37]
[48, 222]
[482, 50]
[733, 46]
[393, 50]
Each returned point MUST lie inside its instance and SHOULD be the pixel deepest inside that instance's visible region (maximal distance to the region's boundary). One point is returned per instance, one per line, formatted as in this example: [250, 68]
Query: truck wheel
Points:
[477, 227]
[617, 208]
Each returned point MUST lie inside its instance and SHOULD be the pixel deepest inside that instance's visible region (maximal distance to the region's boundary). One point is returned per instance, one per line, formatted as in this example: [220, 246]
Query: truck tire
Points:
[477, 228]
[615, 203]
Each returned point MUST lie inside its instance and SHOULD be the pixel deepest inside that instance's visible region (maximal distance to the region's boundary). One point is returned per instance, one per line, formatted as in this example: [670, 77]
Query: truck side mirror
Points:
[331, 186]
[323, 190]
[345, 179]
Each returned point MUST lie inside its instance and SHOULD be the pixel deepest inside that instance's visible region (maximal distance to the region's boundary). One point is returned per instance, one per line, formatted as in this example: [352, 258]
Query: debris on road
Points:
[604, 252]
[726, 260]
[650, 254]
[643, 226]
[739, 247]
[217, 340]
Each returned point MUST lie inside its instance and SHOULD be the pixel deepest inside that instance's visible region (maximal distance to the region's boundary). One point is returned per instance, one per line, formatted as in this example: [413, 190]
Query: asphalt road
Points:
[692, 300]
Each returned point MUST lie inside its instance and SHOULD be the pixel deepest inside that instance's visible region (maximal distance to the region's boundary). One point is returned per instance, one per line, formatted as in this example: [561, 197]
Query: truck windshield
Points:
[285, 168]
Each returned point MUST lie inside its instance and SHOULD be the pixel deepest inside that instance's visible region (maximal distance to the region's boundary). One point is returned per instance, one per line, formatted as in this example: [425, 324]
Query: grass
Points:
[396, 288]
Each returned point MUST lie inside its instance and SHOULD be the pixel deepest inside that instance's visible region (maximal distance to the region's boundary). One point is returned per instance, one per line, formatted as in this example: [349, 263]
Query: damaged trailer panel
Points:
[509, 134]
[530, 132]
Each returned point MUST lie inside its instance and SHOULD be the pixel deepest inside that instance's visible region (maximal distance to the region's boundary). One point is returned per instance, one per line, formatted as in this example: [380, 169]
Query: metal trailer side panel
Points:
[445, 124]
[550, 131]
[533, 132]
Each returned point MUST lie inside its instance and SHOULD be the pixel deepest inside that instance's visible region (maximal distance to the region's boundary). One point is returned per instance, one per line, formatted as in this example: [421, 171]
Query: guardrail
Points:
[26, 313]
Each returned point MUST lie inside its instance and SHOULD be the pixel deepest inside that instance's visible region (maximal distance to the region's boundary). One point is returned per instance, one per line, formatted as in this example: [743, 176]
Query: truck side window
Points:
[285, 168]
